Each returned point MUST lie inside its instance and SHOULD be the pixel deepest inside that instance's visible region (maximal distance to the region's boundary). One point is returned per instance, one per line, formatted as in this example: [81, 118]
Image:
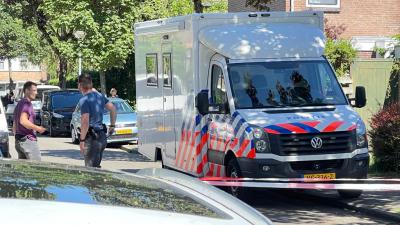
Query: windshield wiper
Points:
[316, 104]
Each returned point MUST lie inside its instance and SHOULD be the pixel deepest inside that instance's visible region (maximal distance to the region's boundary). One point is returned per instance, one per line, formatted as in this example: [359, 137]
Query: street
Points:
[282, 207]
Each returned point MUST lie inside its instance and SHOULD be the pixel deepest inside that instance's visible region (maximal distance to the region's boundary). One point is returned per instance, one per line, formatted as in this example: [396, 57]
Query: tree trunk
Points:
[9, 74]
[198, 6]
[103, 82]
[62, 72]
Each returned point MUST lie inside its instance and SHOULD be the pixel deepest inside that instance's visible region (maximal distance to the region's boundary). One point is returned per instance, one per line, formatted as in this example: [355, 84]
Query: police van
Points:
[246, 95]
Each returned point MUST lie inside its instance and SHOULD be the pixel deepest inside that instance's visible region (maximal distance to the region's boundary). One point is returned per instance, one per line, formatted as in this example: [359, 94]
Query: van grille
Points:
[317, 165]
[300, 144]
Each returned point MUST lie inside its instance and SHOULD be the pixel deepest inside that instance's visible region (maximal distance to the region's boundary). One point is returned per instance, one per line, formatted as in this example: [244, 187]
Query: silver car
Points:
[125, 127]
[63, 194]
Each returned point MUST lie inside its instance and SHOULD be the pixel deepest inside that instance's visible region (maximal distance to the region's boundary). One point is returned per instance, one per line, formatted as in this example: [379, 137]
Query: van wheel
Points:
[233, 171]
[349, 194]
[74, 138]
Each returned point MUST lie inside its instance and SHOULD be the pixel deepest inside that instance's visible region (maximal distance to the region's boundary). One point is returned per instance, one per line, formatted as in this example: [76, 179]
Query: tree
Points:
[261, 5]
[107, 24]
[17, 41]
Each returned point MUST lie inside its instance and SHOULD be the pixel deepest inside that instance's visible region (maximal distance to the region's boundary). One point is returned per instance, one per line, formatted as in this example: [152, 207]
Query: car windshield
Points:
[284, 84]
[121, 106]
[40, 91]
[79, 185]
[67, 100]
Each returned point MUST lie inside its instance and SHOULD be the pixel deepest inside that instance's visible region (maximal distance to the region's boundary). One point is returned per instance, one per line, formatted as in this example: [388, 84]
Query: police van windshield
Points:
[284, 84]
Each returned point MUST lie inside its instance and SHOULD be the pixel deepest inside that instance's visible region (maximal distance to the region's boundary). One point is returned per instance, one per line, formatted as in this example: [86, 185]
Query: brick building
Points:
[368, 23]
[21, 70]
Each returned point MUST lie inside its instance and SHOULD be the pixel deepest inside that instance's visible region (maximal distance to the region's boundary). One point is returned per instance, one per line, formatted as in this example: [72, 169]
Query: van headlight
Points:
[361, 132]
[58, 116]
[261, 141]
[3, 137]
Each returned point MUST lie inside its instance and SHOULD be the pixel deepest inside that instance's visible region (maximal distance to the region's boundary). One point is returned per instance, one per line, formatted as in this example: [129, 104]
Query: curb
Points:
[377, 213]
[371, 212]
[128, 148]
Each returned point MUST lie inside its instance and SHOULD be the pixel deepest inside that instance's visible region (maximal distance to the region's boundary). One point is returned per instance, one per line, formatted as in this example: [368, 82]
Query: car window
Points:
[67, 100]
[121, 107]
[79, 185]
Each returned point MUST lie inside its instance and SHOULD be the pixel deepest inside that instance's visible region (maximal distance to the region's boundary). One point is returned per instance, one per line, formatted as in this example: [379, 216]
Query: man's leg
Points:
[31, 149]
[21, 153]
[89, 152]
[102, 145]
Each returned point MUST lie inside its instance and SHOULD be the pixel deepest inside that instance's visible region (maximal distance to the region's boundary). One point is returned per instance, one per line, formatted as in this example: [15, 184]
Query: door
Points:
[168, 102]
[218, 114]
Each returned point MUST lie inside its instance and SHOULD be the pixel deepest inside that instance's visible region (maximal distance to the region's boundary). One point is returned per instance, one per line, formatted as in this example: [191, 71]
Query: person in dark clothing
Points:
[93, 138]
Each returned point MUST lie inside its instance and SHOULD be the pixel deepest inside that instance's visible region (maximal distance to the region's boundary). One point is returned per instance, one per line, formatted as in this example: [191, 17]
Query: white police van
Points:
[246, 95]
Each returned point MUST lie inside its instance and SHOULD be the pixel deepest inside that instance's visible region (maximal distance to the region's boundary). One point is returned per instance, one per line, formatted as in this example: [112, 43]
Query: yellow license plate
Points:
[124, 131]
[321, 176]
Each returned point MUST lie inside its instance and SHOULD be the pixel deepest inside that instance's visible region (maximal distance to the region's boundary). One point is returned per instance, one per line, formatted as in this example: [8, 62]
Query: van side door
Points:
[218, 114]
[169, 129]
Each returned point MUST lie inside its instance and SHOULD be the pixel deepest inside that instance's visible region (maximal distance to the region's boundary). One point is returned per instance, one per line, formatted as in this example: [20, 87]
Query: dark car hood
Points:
[26, 180]
[65, 112]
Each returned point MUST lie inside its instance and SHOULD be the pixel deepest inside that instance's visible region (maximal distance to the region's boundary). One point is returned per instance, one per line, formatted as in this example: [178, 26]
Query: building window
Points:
[151, 70]
[167, 72]
[323, 3]
[24, 64]
[1, 65]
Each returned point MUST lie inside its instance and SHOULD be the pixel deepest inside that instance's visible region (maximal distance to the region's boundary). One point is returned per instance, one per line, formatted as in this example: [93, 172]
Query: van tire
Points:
[233, 170]
[350, 194]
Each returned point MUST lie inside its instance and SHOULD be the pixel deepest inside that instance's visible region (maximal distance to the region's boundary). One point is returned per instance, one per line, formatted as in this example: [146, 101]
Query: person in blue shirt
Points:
[93, 138]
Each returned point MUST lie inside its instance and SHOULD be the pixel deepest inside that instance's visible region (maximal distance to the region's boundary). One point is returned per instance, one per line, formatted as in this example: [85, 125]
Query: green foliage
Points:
[16, 40]
[261, 5]
[397, 37]
[380, 51]
[385, 138]
[340, 54]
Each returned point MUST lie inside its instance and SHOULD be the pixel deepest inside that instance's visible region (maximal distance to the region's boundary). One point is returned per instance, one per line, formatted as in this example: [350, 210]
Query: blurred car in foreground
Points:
[125, 127]
[57, 109]
[61, 194]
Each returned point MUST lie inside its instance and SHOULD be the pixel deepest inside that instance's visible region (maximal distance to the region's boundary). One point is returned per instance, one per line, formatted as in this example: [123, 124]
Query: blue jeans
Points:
[94, 148]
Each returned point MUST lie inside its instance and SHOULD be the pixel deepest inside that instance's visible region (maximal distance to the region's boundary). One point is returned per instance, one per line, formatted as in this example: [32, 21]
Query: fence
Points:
[374, 75]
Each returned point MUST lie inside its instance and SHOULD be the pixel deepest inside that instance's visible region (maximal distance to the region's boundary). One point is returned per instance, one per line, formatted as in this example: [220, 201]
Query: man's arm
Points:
[113, 112]
[84, 125]
[25, 122]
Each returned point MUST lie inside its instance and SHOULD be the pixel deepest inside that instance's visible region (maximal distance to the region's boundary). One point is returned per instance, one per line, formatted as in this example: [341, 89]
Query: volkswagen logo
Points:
[316, 142]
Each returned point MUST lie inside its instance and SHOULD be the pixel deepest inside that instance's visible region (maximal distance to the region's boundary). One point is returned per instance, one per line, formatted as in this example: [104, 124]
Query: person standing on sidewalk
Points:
[24, 128]
[93, 139]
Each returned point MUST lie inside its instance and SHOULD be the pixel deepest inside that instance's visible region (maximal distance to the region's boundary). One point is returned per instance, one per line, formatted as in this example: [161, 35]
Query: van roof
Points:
[264, 40]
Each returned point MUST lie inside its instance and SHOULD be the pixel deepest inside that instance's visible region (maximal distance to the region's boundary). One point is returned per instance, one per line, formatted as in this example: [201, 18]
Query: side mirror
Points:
[202, 102]
[219, 108]
[361, 97]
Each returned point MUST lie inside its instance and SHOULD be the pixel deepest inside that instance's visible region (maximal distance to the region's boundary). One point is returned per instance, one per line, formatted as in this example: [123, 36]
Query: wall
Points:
[360, 17]
[22, 70]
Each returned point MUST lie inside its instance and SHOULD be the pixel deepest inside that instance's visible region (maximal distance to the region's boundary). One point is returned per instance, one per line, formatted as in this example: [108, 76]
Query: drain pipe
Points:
[291, 5]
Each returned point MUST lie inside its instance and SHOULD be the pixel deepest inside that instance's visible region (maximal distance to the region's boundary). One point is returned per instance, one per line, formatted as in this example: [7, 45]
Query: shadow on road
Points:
[107, 155]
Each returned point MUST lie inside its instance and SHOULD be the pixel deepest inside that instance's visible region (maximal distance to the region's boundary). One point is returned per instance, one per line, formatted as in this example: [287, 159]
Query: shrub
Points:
[341, 55]
[385, 138]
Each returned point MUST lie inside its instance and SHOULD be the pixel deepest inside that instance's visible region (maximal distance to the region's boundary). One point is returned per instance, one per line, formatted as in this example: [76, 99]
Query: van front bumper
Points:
[354, 167]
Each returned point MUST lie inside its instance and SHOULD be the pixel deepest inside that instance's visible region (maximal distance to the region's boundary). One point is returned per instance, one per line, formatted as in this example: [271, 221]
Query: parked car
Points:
[4, 143]
[125, 127]
[76, 195]
[37, 103]
[57, 109]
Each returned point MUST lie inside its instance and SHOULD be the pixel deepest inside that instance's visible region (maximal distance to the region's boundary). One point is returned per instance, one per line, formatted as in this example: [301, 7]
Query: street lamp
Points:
[80, 35]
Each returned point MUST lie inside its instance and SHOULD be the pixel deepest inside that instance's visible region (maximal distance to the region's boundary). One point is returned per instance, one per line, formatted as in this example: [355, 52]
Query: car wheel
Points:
[51, 132]
[349, 194]
[74, 138]
[233, 171]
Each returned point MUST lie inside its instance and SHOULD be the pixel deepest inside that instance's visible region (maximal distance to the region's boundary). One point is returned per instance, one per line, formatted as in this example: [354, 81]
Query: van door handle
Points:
[209, 120]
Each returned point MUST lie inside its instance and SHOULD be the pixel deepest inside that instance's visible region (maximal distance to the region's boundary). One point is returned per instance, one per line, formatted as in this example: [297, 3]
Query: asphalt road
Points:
[282, 207]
